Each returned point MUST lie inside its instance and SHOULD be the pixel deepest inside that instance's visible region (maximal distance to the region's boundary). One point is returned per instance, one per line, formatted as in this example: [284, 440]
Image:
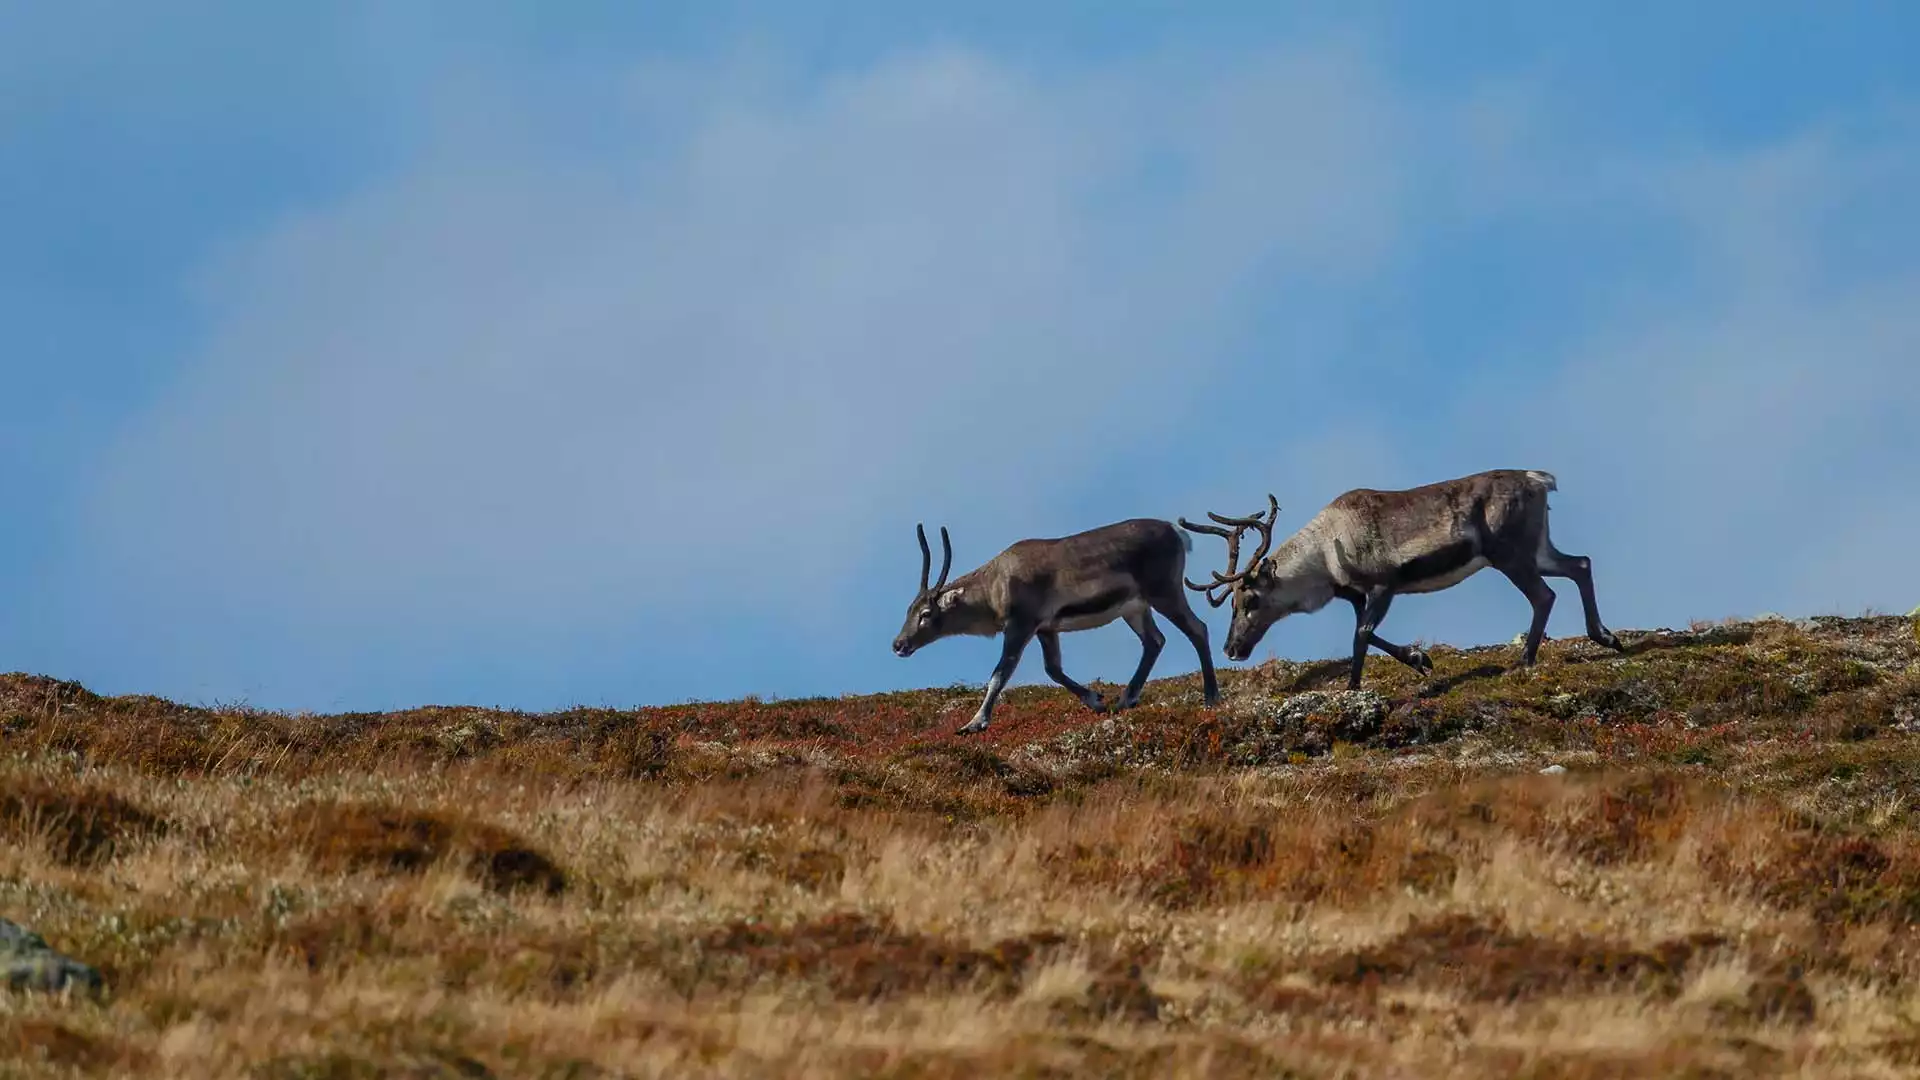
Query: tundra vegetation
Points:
[1721, 879]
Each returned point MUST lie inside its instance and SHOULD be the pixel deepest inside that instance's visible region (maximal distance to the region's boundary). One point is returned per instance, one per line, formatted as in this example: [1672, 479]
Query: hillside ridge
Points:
[1698, 858]
[1765, 677]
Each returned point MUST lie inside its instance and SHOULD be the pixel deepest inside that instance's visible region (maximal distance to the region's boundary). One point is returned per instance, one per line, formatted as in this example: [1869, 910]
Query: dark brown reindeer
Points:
[1044, 588]
[1367, 546]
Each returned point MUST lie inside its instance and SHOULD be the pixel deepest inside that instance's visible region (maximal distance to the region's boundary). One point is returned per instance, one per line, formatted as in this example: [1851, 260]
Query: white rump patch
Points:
[1545, 479]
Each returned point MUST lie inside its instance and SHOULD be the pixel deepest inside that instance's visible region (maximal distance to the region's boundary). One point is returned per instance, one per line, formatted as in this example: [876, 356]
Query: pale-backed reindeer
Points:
[1367, 546]
[1044, 588]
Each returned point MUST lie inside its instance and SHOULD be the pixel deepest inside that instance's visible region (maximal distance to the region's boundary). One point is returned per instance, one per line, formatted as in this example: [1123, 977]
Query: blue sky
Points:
[369, 355]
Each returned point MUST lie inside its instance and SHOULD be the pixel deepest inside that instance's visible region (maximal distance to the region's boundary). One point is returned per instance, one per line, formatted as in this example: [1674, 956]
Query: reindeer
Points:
[1046, 587]
[1367, 546]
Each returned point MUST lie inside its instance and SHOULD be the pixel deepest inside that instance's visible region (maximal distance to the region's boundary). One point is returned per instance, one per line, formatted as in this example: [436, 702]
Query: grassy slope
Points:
[1724, 882]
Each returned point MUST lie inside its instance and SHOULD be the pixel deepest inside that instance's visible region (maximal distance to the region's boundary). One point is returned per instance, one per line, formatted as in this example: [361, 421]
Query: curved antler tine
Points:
[1207, 591]
[1251, 520]
[1236, 522]
[926, 556]
[946, 561]
[1210, 530]
[1227, 581]
[1266, 531]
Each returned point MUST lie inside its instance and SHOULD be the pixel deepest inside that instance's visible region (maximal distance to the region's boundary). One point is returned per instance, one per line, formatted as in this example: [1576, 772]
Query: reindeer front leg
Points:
[1412, 657]
[1368, 614]
[1013, 642]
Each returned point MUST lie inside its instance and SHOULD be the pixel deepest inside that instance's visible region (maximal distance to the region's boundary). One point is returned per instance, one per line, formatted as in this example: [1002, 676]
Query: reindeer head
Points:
[1259, 596]
[927, 614]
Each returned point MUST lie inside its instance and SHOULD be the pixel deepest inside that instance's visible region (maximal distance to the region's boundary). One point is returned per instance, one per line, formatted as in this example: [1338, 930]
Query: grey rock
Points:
[1356, 713]
[27, 962]
[1321, 716]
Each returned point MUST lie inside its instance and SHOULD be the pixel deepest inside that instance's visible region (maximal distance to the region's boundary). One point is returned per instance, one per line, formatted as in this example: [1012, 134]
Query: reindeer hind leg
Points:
[1151, 641]
[1050, 654]
[1552, 562]
[1529, 581]
[1183, 618]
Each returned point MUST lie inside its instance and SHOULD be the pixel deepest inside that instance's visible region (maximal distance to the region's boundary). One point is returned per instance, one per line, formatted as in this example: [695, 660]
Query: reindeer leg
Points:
[1412, 657]
[1579, 569]
[1529, 581]
[1362, 637]
[1013, 642]
[1151, 641]
[1406, 654]
[1050, 652]
[1367, 614]
[1182, 616]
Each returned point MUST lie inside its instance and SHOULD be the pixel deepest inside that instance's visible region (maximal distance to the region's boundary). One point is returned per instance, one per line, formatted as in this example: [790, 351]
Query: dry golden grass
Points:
[1724, 882]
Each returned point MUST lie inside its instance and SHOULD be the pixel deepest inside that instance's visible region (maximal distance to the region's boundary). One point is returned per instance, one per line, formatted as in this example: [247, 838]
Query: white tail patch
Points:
[1544, 478]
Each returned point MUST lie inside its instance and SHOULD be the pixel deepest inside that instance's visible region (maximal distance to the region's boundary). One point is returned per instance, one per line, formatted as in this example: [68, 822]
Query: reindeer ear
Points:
[948, 599]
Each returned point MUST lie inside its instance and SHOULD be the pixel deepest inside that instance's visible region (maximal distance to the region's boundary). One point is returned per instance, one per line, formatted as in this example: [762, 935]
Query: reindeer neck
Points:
[1298, 555]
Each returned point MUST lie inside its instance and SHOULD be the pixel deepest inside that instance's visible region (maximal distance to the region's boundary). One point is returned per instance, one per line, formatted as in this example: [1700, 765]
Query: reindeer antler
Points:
[1238, 526]
[1266, 536]
[1207, 591]
[926, 558]
[1232, 537]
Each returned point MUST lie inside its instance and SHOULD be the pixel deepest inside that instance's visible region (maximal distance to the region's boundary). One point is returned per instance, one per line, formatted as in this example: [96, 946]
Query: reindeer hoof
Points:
[1420, 661]
[1607, 639]
[1096, 703]
[978, 723]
